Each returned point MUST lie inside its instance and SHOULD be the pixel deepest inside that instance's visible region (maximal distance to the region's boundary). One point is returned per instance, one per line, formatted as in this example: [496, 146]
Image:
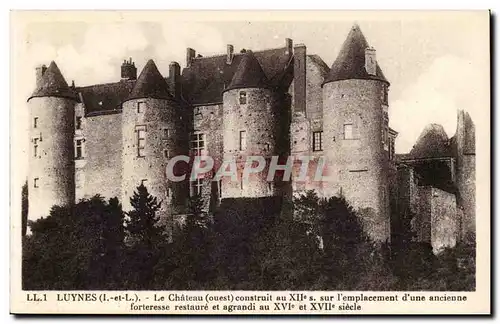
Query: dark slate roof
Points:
[207, 77]
[105, 98]
[432, 143]
[53, 84]
[249, 74]
[150, 84]
[350, 63]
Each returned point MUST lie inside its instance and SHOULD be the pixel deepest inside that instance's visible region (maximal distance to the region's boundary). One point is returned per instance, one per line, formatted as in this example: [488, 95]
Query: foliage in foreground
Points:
[249, 244]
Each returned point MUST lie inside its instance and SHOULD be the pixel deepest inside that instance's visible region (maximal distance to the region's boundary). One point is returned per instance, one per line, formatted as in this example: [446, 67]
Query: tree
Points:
[192, 249]
[146, 237]
[67, 249]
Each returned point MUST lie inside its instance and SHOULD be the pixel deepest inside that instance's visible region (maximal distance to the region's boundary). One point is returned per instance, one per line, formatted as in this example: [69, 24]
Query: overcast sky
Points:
[436, 63]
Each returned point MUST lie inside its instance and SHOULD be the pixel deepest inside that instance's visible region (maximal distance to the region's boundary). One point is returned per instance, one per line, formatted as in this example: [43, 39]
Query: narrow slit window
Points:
[35, 147]
[166, 133]
[36, 182]
[35, 122]
[78, 122]
[79, 149]
[141, 142]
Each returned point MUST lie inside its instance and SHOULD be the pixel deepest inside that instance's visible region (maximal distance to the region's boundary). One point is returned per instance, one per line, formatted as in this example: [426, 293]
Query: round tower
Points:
[252, 126]
[355, 129]
[51, 154]
[151, 135]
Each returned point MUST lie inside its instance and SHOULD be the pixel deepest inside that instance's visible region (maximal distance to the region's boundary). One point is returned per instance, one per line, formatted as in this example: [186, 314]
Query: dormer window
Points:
[243, 97]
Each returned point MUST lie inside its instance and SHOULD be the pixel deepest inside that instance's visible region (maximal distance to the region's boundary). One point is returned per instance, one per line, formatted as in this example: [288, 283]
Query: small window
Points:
[78, 123]
[317, 141]
[243, 98]
[140, 107]
[79, 149]
[35, 122]
[166, 154]
[166, 133]
[196, 186]
[35, 147]
[141, 141]
[168, 192]
[197, 143]
[36, 182]
[243, 140]
[348, 131]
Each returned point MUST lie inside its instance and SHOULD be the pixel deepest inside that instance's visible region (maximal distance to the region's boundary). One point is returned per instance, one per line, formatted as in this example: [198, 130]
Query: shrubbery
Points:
[249, 244]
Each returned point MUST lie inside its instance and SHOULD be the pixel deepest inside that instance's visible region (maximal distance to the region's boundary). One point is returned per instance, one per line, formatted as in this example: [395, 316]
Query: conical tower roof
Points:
[249, 74]
[350, 63]
[432, 142]
[150, 84]
[53, 84]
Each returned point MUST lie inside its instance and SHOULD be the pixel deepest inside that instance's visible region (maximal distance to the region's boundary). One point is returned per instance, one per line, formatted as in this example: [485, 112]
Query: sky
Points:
[436, 62]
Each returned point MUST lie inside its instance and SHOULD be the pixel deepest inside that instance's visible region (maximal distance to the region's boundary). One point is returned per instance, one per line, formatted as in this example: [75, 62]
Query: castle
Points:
[110, 138]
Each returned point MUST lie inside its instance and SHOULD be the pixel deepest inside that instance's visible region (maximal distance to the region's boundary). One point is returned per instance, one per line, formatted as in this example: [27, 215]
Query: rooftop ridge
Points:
[238, 53]
[104, 84]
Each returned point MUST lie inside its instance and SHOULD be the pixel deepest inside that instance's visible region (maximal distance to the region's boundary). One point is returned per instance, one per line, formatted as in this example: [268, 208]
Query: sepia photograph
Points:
[320, 162]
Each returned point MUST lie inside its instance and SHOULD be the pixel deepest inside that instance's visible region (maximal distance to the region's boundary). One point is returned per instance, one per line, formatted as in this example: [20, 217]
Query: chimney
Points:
[40, 70]
[299, 78]
[190, 54]
[128, 71]
[370, 61]
[230, 54]
[175, 79]
[289, 46]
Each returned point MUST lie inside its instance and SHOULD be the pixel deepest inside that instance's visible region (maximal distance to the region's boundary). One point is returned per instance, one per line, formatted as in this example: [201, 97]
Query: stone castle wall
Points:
[149, 167]
[356, 167]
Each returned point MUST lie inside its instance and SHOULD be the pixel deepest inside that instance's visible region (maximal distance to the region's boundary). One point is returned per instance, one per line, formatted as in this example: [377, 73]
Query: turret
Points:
[355, 130]
[466, 172]
[152, 134]
[252, 126]
[51, 154]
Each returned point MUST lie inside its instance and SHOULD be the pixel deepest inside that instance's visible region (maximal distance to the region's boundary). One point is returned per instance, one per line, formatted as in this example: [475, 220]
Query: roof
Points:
[53, 84]
[105, 98]
[350, 63]
[249, 74]
[432, 143]
[150, 84]
[207, 77]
